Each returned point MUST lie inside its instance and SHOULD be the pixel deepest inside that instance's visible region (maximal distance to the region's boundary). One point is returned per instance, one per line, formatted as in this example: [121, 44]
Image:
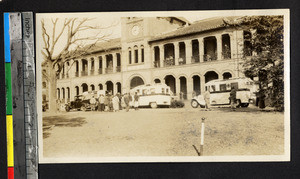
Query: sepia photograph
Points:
[165, 86]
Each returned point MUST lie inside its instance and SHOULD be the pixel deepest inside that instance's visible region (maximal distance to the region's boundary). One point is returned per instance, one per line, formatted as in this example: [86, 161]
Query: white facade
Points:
[147, 54]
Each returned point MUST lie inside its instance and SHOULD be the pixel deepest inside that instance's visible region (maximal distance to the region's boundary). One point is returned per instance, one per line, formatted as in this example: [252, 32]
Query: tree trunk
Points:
[52, 90]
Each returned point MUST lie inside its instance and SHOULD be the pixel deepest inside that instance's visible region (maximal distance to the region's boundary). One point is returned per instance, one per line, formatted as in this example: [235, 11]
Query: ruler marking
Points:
[29, 97]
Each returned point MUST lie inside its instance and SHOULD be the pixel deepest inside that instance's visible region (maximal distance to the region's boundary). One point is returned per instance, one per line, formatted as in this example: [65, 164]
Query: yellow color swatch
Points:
[10, 141]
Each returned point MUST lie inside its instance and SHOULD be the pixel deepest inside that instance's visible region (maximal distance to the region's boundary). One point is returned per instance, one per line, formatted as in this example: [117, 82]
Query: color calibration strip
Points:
[9, 117]
[21, 119]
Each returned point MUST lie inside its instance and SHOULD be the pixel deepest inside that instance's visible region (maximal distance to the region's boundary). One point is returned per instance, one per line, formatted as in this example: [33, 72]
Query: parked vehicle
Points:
[153, 95]
[45, 105]
[220, 92]
[198, 101]
[81, 102]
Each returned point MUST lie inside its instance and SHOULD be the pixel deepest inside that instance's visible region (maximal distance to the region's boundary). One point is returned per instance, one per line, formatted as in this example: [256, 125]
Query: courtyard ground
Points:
[163, 132]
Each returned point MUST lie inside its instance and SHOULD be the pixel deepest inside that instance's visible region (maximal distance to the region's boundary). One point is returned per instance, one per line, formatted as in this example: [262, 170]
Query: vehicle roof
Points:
[228, 80]
[149, 85]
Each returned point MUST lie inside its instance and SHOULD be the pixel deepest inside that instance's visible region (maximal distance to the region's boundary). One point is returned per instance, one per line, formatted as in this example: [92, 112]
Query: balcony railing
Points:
[169, 62]
[92, 72]
[226, 54]
[181, 61]
[77, 74]
[84, 73]
[209, 57]
[108, 70]
[62, 76]
[195, 59]
[67, 75]
[118, 68]
[100, 71]
[156, 64]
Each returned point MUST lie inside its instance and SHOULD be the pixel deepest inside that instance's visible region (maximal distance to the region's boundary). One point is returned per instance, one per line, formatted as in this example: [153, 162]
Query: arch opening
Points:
[211, 75]
[196, 85]
[227, 75]
[136, 81]
[171, 82]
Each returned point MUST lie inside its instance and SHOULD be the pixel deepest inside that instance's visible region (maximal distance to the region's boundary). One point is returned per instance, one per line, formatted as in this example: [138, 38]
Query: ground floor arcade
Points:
[187, 80]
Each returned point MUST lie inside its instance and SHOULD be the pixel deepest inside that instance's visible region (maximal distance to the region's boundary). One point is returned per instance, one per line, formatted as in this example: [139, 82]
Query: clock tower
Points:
[135, 34]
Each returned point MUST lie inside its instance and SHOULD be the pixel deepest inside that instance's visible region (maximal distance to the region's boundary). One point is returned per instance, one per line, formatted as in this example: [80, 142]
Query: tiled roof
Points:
[196, 27]
[105, 46]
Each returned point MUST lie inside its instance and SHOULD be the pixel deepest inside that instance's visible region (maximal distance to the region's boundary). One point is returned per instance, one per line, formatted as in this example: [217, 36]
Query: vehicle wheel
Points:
[244, 105]
[83, 108]
[238, 103]
[153, 105]
[194, 104]
[67, 108]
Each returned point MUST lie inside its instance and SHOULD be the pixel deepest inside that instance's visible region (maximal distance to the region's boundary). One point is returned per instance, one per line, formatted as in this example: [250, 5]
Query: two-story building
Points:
[167, 50]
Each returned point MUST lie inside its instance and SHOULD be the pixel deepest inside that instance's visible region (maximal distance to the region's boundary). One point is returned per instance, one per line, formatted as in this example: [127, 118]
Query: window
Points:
[222, 87]
[213, 88]
[152, 90]
[136, 56]
[142, 51]
[92, 63]
[144, 91]
[235, 85]
[44, 84]
[129, 56]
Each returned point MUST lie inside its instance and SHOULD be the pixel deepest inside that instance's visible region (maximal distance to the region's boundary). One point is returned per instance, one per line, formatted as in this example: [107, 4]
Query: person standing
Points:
[120, 97]
[136, 101]
[110, 104]
[106, 102]
[261, 101]
[93, 103]
[126, 101]
[58, 104]
[233, 98]
[115, 101]
[206, 97]
[101, 103]
[130, 100]
[181, 95]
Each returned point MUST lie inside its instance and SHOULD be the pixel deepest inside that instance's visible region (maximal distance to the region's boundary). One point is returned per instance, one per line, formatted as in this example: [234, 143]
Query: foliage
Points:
[267, 59]
[177, 104]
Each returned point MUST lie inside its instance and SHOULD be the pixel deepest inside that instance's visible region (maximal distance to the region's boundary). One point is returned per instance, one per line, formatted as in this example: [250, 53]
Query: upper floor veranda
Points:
[196, 49]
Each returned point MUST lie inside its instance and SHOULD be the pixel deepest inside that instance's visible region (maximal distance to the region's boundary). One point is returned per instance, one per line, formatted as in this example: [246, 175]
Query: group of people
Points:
[114, 103]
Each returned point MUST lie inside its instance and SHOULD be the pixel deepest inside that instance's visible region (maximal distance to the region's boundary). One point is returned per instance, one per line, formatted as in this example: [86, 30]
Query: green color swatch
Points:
[8, 88]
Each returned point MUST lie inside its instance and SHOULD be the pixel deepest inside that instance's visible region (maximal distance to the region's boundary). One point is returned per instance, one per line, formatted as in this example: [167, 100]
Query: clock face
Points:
[135, 30]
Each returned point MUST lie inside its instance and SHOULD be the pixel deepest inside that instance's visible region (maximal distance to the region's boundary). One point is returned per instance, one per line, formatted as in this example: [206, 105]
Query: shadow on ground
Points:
[60, 121]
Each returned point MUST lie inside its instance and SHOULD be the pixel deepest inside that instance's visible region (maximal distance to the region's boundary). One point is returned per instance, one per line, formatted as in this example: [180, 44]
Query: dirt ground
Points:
[163, 132]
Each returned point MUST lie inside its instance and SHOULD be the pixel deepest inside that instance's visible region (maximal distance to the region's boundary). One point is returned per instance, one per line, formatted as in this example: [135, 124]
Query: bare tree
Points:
[65, 40]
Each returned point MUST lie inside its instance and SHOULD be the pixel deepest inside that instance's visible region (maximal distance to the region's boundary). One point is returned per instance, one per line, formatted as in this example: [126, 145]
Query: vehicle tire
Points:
[194, 104]
[244, 105]
[153, 105]
[67, 108]
[238, 103]
[202, 106]
[83, 108]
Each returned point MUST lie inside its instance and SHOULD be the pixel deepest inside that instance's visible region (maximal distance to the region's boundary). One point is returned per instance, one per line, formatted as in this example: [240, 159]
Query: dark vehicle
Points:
[81, 102]
[45, 105]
